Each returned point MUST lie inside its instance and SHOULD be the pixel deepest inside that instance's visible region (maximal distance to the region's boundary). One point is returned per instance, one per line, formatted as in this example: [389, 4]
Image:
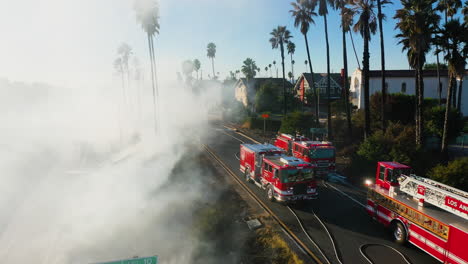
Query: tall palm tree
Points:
[269, 66]
[366, 25]
[147, 13]
[291, 49]
[417, 22]
[303, 13]
[381, 17]
[279, 37]
[276, 69]
[323, 11]
[197, 66]
[266, 71]
[211, 53]
[452, 38]
[249, 68]
[346, 22]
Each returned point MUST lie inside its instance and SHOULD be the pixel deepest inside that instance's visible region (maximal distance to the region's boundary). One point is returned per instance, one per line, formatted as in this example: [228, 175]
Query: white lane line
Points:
[232, 137]
[352, 199]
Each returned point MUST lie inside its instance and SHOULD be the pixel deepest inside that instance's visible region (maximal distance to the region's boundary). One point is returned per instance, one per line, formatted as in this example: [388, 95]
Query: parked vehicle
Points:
[428, 214]
[284, 178]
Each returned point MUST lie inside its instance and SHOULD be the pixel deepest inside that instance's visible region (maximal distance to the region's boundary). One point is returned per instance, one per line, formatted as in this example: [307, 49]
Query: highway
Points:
[339, 207]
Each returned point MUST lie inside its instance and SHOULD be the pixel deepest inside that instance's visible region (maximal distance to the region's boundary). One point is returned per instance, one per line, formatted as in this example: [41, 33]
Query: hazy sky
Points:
[73, 43]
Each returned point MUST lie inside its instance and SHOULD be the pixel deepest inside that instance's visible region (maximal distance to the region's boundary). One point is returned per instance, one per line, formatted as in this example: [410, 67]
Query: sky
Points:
[73, 43]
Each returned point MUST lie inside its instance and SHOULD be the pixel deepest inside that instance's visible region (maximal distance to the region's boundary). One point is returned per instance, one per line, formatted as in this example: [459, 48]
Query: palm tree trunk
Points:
[365, 64]
[354, 48]
[416, 109]
[329, 124]
[460, 85]
[421, 106]
[212, 66]
[292, 70]
[346, 85]
[439, 86]
[382, 59]
[313, 82]
[454, 96]
[284, 78]
[446, 119]
[153, 83]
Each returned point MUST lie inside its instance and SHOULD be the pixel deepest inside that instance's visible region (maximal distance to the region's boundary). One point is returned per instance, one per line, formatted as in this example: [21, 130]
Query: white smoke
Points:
[73, 192]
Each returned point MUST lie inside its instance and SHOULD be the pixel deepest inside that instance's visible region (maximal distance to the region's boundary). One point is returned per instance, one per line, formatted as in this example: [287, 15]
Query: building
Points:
[403, 81]
[245, 91]
[303, 85]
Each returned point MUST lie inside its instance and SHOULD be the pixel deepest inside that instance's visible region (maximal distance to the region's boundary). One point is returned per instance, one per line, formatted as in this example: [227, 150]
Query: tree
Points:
[417, 22]
[276, 69]
[266, 71]
[147, 13]
[290, 76]
[280, 36]
[366, 25]
[267, 98]
[197, 66]
[269, 66]
[249, 69]
[381, 17]
[455, 173]
[291, 49]
[452, 38]
[346, 22]
[323, 11]
[211, 53]
[303, 13]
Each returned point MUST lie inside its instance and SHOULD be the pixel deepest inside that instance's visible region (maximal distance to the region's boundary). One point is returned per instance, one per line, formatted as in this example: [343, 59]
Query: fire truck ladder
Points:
[433, 192]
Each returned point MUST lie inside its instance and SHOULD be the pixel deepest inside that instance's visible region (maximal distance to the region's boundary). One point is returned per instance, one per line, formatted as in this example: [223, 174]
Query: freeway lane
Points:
[346, 219]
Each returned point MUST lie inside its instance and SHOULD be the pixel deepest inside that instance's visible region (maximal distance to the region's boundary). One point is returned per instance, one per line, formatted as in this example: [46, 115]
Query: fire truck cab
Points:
[428, 214]
[284, 178]
[320, 153]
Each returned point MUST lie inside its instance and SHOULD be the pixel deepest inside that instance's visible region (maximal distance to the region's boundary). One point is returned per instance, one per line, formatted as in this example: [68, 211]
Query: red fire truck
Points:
[320, 153]
[428, 214]
[284, 178]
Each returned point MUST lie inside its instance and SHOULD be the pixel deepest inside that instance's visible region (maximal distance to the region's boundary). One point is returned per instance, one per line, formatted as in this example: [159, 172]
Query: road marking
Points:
[352, 199]
[242, 134]
[233, 137]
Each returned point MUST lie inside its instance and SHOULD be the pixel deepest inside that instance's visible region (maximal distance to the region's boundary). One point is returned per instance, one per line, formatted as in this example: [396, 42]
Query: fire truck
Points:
[285, 178]
[320, 153]
[430, 215]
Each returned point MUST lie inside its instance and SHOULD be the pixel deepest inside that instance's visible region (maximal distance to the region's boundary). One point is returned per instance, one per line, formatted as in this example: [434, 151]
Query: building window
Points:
[403, 87]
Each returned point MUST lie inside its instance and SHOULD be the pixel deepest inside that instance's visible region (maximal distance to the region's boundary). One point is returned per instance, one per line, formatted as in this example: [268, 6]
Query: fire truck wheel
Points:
[399, 233]
[270, 193]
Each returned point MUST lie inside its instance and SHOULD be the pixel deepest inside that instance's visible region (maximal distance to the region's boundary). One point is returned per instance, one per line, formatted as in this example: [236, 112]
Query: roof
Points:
[318, 76]
[262, 147]
[316, 143]
[257, 82]
[282, 160]
[394, 164]
[407, 73]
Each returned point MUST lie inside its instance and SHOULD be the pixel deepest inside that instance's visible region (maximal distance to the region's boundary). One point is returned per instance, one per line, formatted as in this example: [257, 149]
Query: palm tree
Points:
[452, 38]
[211, 53]
[197, 66]
[303, 13]
[417, 22]
[147, 13]
[291, 49]
[266, 71]
[381, 17]
[269, 66]
[290, 76]
[366, 25]
[276, 69]
[280, 36]
[346, 22]
[249, 69]
[323, 11]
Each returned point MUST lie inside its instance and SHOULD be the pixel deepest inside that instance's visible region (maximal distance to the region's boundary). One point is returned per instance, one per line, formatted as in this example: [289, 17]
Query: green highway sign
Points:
[146, 260]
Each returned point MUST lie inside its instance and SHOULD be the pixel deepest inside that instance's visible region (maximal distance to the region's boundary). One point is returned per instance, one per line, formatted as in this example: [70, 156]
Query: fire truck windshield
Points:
[294, 175]
[322, 153]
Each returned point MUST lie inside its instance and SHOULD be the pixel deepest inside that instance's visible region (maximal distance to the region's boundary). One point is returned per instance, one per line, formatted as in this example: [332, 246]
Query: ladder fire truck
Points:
[320, 153]
[430, 215]
[284, 178]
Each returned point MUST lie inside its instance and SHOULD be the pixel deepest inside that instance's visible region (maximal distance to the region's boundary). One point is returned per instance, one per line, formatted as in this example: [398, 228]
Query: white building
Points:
[403, 81]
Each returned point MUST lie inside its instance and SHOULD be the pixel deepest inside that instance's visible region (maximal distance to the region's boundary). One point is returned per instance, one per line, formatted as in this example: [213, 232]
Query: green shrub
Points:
[455, 173]
[297, 122]
[434, 121]
[257, 123]
[268, 98]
